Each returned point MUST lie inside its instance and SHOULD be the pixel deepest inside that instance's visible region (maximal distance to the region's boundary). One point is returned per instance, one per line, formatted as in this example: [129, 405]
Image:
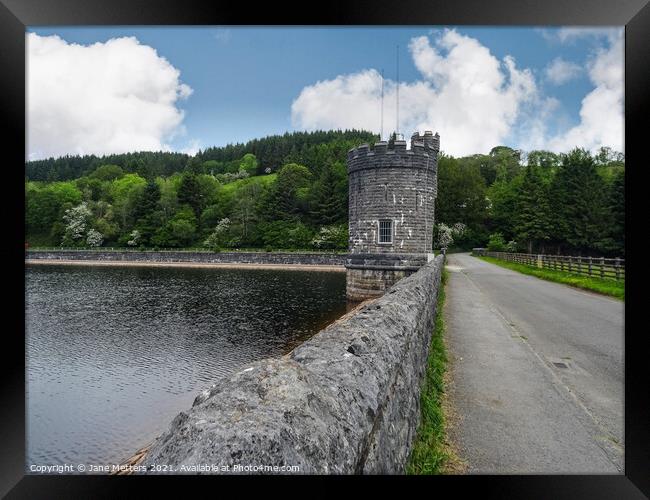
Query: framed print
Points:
[372, 240]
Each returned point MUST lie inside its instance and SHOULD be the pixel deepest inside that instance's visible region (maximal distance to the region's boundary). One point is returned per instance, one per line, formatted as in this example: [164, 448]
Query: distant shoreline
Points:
[199, 265]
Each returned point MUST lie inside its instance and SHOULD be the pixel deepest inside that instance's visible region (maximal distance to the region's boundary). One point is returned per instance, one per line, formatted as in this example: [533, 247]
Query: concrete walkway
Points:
[536, 373]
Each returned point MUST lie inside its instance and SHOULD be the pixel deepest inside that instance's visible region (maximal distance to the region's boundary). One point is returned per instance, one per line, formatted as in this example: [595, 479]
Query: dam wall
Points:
[170, 256]
[347, 401]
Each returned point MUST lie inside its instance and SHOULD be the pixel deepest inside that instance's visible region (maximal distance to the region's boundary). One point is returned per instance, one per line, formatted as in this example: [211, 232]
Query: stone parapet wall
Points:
[346, 401]
[321, 259]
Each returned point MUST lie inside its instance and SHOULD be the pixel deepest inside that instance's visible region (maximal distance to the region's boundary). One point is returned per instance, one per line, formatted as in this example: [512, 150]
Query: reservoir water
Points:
[114, 353]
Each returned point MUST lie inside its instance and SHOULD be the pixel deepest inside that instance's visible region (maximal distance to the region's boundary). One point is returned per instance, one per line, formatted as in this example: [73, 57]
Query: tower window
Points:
[385, 231]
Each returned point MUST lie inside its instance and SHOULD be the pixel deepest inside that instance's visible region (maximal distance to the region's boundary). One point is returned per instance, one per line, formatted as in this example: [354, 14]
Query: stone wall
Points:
[396, 184]
[322, 259]
[370, 275]
[346, 401]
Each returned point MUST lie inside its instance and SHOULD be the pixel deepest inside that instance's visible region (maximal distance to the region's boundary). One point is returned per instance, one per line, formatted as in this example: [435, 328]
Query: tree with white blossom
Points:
[78, 231]
[94, 238]
[134, 238]
[446, 234]
[76, 225]
[215, 239]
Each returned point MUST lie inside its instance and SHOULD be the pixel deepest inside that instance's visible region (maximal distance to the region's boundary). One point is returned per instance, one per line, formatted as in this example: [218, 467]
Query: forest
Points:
[290, 191]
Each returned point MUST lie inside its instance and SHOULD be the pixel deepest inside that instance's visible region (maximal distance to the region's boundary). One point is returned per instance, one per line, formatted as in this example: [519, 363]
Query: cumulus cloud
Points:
[477, 101]
[465, 92]
[559, 71]
[103, 98]
[601, 112]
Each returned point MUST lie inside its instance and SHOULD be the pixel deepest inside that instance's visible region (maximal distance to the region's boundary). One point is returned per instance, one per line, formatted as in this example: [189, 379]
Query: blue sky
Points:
[250, 82]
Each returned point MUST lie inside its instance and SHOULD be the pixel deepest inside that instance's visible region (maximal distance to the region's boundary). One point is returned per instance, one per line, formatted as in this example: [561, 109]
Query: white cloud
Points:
[560, 71]
[472, 98]
[102, 98]
[601, 112]
[192, 147]
[569, 34]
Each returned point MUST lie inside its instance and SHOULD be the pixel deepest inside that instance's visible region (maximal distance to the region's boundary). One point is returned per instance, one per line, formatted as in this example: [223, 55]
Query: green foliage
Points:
[286, 234]
[179, 231]
[45, 204]
[287, 197]
[533, 216]
[248, 164]
[218, 236]
[616, 209]
[107, 173]
[545, 159]
[189, 192]
[496, 243]
[461, 196]
[146, 213]
[331, 237]
[329, 195]
[502, 201]
[578, 193]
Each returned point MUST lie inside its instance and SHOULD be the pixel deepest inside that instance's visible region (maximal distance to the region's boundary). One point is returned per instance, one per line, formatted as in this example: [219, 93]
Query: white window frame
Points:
[379, 241]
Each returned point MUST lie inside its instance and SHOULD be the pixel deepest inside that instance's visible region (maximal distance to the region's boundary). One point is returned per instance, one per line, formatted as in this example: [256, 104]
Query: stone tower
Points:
[391, 203]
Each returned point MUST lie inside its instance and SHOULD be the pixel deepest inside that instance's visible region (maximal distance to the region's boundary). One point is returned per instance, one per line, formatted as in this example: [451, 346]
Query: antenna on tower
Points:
[381, 133]
[397, 105]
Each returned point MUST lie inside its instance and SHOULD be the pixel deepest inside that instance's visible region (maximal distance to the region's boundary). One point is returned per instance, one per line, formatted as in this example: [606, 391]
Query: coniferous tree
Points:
[579, 198]
[617, 206]
[189, 193]
[615, 242]
[329, 197]
[146, 212]
[533, 212]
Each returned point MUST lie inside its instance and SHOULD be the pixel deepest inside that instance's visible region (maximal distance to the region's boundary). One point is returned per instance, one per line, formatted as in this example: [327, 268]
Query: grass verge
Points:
[606, 287]
[430, 451]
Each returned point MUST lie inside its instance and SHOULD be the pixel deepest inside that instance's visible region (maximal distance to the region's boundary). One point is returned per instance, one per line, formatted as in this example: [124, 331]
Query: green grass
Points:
[429, 453]
[604, 286]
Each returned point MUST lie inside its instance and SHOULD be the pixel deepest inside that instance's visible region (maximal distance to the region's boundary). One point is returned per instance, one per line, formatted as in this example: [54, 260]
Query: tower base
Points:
[371, 275]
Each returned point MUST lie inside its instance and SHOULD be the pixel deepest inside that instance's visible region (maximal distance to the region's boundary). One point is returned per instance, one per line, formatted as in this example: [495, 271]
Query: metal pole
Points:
[397, 106]
[381, 133]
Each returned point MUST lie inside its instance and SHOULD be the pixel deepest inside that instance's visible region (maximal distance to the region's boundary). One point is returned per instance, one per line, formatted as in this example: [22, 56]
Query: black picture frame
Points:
[15, 15]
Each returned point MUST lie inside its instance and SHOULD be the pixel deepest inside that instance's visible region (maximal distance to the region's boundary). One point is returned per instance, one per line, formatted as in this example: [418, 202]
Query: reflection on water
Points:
[113, 354]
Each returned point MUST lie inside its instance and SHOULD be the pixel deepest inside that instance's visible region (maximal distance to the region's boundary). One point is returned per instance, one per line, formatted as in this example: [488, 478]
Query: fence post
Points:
[590, 263]
[540, 262]
[618, 268]
[602, 267]
[570, 261]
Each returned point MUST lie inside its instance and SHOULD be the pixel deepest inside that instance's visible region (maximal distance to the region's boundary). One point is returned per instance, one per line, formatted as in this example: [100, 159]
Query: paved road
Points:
[537, 372]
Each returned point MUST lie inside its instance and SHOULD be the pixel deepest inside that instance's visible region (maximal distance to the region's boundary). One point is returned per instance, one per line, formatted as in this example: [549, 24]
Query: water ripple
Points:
[114, 353]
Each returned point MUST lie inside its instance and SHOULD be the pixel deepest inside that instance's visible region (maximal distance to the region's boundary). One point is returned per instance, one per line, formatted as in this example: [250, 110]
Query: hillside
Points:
[294, 196]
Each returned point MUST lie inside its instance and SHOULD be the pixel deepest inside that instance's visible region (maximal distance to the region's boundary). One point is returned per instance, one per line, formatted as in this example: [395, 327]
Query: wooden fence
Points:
[597, 267]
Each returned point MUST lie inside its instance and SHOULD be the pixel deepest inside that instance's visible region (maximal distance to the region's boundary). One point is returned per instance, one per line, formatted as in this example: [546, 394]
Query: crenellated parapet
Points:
[422, 155]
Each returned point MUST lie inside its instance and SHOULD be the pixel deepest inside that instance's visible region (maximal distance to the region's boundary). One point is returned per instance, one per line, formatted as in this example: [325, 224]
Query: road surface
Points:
[536, 373]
